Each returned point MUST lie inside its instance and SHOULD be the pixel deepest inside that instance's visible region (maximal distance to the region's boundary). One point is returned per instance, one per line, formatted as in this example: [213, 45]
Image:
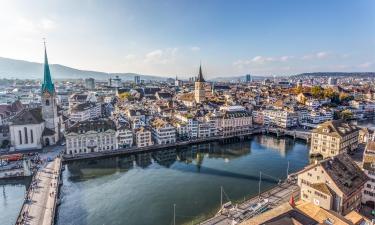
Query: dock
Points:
[42, 196]
[235, 214]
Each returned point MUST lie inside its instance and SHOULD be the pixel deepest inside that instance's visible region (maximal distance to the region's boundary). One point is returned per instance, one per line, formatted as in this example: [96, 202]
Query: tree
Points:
[343, 97]
[126, 96]
[317, 92]
[346, 114]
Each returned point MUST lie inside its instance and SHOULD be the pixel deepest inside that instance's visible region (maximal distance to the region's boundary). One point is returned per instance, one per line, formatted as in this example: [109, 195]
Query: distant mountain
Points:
[12, 68]
[236, 78]
[335, 74]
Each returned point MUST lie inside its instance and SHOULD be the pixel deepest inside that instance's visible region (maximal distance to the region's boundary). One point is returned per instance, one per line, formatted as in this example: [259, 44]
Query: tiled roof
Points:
[346, 174]
[236, 114]
[28, 116]
[336, 128]
[85, 126]
[322, 187]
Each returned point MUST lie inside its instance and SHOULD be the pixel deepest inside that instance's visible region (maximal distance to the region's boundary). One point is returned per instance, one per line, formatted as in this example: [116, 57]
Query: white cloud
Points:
[161, 56]
[365, 65]
[261, 60]
[322, 55]
[317, 55]
[195, 49]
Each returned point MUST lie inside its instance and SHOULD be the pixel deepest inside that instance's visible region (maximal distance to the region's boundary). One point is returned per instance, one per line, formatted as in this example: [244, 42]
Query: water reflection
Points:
[120, 190]
[194, 154]
[11, 198]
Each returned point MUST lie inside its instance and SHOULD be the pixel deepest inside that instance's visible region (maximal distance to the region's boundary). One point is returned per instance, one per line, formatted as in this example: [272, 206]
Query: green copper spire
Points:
[47, 82]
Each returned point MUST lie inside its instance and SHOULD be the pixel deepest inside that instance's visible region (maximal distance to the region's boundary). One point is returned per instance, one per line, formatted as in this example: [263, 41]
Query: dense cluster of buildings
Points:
[95, 116]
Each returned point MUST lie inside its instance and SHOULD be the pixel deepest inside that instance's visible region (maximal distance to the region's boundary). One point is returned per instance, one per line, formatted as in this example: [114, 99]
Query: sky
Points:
[172, 37]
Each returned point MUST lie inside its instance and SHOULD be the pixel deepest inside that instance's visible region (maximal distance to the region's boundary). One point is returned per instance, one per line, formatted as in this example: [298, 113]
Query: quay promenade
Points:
[42, 196]
[236, 214]
[303, 135]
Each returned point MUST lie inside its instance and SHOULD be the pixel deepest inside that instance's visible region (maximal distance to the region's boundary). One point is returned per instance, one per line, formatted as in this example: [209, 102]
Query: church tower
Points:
[199, 93]
[49, 106]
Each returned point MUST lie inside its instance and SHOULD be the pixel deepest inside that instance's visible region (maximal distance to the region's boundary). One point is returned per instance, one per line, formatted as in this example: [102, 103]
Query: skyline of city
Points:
[259, 38]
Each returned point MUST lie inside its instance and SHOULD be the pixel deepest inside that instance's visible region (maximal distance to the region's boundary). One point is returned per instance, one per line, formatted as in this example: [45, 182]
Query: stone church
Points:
[35, 128]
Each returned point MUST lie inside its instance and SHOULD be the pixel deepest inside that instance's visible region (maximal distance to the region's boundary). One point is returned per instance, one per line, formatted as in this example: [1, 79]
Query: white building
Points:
[235, 120]
[91, 136]
[163, 132]
[85, 111]
[143, 137]
[125, 136]
[280, 118]
[80, 98]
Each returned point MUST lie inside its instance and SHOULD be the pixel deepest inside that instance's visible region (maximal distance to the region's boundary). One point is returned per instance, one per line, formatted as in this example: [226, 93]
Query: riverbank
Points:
[296, 134]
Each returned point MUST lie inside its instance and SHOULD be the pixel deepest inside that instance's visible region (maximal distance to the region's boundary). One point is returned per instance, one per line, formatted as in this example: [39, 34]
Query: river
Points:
[142, 189]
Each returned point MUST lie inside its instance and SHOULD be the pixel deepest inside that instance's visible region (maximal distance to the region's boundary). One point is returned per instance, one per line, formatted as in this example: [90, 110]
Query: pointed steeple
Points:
[200, 75]
[47, 82]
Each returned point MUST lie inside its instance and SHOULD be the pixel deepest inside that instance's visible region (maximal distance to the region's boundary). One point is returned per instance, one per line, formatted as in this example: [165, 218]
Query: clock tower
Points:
[49, 105]
[199, 93]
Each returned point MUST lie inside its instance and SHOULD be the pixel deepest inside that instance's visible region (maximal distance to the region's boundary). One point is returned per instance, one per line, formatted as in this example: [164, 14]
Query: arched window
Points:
[26, 138]
[47, 102]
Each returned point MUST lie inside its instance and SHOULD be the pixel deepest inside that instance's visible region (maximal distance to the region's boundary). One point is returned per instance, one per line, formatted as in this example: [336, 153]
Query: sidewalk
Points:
[39, 206]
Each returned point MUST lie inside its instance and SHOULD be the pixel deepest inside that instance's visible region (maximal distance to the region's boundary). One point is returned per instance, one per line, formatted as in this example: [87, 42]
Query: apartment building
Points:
[280, 118]
[162, 131]
[125, 135]
[85, 111]
[235, 120]
[334, 137]
[91, 136]
[143, 136]
[368, 166]
[333, 184]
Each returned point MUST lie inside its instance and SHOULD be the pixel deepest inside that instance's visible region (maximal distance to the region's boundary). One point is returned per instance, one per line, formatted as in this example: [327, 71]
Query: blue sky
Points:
[165, 37]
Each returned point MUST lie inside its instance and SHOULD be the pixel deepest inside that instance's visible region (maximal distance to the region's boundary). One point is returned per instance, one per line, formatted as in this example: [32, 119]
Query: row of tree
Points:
[322, 93]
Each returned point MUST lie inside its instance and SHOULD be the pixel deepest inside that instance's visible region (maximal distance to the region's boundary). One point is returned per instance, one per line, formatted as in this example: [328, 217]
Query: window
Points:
[47, 102]
[20, 136]
[26, 139]
[31, 136]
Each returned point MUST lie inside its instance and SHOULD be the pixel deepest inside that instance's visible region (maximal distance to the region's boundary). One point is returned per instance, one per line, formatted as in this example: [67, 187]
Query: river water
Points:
[12, 195]
[142, 189]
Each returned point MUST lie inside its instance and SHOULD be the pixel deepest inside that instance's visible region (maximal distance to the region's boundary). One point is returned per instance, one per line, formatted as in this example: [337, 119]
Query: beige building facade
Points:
[334, 137]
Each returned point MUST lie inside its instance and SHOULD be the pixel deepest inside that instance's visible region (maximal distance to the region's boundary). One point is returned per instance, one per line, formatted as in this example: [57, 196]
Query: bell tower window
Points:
[47, 102]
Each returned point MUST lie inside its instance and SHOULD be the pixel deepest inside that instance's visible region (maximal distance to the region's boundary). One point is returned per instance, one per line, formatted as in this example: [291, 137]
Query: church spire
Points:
[200, 75]
[47, 82]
